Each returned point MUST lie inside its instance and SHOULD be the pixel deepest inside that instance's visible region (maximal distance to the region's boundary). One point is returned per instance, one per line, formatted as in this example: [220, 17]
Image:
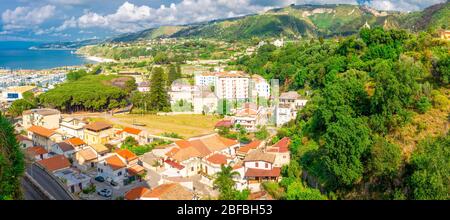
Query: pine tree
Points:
[159, 98]
[11, 162]
[173, 74]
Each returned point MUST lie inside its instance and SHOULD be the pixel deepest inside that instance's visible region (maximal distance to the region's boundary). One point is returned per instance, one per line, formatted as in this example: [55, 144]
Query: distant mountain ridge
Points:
[298, 21]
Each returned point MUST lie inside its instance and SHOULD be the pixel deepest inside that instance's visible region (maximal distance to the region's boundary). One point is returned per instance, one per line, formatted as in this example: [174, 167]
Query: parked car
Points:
[100, 179]
[105, 193]
[113, 183]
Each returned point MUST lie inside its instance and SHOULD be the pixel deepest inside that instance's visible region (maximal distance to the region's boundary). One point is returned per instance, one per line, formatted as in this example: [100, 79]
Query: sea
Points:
[17, 55]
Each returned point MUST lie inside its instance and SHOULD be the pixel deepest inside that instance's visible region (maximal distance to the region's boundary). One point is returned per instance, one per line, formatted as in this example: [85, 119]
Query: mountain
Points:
[70, 45]
[295, 21]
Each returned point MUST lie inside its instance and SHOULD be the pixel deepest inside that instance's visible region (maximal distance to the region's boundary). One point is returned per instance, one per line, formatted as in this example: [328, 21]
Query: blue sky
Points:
[82, 19]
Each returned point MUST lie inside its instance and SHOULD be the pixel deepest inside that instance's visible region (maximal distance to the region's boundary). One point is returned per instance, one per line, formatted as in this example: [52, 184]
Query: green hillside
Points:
[302, 21]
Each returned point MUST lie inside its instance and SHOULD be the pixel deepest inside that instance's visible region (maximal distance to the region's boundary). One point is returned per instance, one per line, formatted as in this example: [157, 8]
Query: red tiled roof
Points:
[55, 163]
[174, 164]
[75, 141]
[65, 146]
[135, 170]
[136, 193]
[35, 151]
[218, 159]
[132, 130]
[224, 123]
[169, 191]
[183, 143]
[126, 154]
[275, 172]
[115, 162]
[22, 138]
[98, 126]
[251, 146]
[41, 131]
[283, 145]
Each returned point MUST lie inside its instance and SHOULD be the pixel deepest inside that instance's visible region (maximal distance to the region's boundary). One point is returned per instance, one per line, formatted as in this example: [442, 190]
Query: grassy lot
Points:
[184, 125]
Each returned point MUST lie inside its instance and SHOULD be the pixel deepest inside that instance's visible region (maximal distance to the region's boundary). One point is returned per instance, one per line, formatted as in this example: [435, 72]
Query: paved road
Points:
[30, 192]
[47, 182]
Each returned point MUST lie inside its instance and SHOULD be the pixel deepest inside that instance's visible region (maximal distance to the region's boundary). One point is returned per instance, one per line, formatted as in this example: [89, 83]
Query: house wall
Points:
[232, 88]
[101, 137]
[72, 132]
[106, 172]
[44, 141]
[48, 121]
[281, 159]
[262, 165]
[26, 144]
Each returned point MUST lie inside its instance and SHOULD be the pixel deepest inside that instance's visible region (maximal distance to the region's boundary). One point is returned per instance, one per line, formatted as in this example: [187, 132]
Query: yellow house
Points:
[98, 133]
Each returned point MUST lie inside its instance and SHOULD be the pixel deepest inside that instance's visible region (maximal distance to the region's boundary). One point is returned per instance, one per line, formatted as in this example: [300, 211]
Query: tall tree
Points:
[159, 98]
[173, 74]
[12, 164]
[226, 185]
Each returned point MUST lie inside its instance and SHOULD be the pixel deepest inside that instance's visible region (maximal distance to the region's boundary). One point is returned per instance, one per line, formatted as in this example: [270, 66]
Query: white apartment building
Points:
[72, 127]
[260, 87]
[232, 85]
[205, 79]
[47, 118]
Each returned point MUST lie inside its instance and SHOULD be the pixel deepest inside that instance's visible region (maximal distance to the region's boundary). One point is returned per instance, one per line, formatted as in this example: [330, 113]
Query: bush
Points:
[423, 105]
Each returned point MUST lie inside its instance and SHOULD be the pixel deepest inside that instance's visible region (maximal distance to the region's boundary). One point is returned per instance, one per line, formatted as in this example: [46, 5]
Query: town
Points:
[89, 159]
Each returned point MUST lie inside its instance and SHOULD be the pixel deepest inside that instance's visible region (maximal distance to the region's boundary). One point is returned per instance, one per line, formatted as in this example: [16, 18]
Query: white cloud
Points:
[26, 17]
[130, 17]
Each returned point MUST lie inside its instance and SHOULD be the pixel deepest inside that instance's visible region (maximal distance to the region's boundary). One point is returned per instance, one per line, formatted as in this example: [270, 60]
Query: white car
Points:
[105, 193]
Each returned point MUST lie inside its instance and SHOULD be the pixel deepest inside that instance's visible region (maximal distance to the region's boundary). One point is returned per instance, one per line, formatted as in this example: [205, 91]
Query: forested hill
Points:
[377, 123]
[298, 21]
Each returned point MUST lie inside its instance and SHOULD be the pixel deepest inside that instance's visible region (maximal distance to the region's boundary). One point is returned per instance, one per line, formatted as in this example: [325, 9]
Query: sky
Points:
[67, 20]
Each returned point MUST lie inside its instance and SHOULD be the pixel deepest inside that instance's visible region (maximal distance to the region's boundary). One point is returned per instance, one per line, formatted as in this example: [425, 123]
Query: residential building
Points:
[281, 152]
[289, 104]
[244, 150]
[207, 79]
[63, 148]
[168, 191]
[185, 157]
[77, 143]
[47, 118]
[113, 169]
[85, 159]
[71, 127]
[250, 117]
[260, 87]
[98, 133]
[100, 149]
[37, 153]
[75, 181]
[141, 136]
[56, 163]
[43, 137]
[24, 142]
[212, 164]
[136, 193]
[205, 102]
[232, 85]
[259, 167]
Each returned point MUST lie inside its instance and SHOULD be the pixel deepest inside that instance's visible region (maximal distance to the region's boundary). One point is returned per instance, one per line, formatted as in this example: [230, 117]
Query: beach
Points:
[100, 59]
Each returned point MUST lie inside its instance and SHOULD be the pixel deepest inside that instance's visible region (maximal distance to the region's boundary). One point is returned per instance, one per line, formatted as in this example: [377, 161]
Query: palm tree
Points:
[225, 183]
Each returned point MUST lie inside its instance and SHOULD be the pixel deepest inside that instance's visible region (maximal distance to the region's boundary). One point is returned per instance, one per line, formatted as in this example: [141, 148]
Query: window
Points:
[119, 173]
[192, 168]
[267, 165]
[256, 164]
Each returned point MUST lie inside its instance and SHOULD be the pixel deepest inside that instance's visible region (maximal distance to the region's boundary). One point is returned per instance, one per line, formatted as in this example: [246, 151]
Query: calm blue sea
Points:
[16, 55]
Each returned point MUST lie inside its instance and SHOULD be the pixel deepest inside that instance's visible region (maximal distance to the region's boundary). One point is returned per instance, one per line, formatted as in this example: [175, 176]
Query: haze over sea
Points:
[17, 55]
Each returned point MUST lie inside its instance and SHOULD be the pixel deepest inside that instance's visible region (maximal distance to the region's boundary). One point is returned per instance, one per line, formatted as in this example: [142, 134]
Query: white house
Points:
[286, 110]
[71, 127]
[259, 167]
[141, 136]
[75, 181]
[250, 117]
[113, 169]
[281, 152]
[260, 87]
[63, 148]
[47, 118]
[24, 142]
[37, 153]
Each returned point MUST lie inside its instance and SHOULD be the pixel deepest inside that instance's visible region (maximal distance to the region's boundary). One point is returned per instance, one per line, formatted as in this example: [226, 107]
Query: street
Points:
[47, 182]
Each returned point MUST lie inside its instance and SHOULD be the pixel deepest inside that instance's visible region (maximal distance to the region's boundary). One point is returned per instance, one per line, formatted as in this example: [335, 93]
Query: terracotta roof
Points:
[238, 165]
[98, 126]
[132, 130]
[218, 159]
[246, 112]
[136, 193]
[224, 123]
[174, 164]
[172, 152]
[183, 143]
[283, 145]
[257, 155]
[135, 170]
[35, 151]
[126, 154]
[88, 154]
[75, 141]
[169, 191]
[115, 162]
[41, 131]
[55, 163]
[251, 146]
[275, 172]
[22, 138]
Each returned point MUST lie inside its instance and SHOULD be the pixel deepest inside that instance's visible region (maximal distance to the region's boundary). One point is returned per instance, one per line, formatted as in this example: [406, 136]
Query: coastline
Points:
[100, 59]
